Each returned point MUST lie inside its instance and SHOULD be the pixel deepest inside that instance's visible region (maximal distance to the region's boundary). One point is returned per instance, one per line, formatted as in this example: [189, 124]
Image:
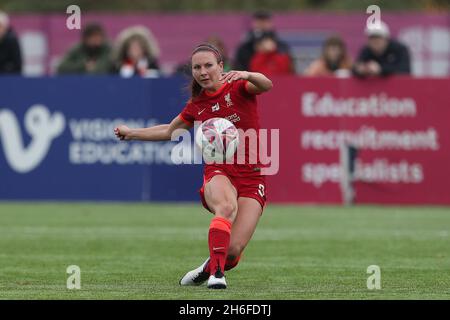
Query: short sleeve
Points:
[242, 88]
[187, 115]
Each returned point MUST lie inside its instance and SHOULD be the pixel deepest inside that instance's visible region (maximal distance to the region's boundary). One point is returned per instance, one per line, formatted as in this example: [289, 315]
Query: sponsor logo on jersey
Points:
[233, 118]
[215, 107]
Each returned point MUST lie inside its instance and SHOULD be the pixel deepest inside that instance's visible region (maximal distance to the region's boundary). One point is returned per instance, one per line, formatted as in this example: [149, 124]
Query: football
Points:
[218, 140]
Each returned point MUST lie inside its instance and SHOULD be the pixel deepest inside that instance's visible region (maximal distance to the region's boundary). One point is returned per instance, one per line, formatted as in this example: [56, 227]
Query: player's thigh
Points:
[248, 214]
[221, 196]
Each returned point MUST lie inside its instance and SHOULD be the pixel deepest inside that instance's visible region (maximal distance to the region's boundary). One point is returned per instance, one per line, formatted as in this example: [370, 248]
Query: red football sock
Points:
[218, 240]
[231, 263]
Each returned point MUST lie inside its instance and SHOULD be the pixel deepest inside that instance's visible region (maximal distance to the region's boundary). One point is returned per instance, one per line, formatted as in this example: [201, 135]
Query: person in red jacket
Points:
[267, 59]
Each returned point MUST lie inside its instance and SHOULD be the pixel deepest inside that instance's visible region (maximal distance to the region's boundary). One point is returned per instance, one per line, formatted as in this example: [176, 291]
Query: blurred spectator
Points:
[10, 56]
[91, 56]
[185, 68]
[267, 58]
[261, 23]
[382, 55]
[334, 60]
[136, 53]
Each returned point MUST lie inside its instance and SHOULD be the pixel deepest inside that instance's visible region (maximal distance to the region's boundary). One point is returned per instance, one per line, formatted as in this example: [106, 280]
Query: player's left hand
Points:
[234, 75]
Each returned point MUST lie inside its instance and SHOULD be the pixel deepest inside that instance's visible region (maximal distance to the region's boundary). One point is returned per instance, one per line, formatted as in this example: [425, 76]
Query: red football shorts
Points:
[247, 186]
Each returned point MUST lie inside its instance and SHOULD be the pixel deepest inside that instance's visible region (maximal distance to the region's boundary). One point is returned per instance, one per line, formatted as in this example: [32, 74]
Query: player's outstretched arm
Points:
[257, 82]
[160, 132]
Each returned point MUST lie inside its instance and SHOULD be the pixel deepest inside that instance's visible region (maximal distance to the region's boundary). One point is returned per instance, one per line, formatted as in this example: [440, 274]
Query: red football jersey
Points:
[233, 102]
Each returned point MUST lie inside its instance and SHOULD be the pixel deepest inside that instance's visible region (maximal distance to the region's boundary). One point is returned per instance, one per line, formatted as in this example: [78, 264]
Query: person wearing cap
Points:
[10, 55]
[261, 24]
[382, 56]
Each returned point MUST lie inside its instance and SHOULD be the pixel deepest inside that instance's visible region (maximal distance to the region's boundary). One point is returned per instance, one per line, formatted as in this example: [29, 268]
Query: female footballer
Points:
[234, 193]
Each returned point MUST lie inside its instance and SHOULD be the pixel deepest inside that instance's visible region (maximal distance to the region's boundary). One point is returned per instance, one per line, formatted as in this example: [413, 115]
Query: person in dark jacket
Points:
[261, 23]
[382, 56]
[90, 56]
[10, 55]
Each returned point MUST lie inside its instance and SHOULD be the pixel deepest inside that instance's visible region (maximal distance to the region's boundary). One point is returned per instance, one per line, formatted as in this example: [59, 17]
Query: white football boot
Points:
[195, 277]
[217, 280]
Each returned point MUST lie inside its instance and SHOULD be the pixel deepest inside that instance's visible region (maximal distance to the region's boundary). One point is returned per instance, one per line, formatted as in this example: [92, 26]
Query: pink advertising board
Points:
[400, 125]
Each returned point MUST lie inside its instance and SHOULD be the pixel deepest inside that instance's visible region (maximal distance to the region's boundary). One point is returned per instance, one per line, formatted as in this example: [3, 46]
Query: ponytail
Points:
[195, 88]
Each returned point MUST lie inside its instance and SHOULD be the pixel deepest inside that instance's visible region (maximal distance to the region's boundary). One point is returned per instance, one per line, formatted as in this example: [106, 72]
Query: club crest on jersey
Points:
[215, 107]
[228, 100]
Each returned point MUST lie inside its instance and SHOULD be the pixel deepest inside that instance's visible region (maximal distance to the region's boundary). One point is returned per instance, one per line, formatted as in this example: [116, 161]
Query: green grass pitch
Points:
[139, 251]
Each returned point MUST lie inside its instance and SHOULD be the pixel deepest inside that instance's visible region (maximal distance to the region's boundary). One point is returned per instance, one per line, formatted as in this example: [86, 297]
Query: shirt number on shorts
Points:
[261, 190]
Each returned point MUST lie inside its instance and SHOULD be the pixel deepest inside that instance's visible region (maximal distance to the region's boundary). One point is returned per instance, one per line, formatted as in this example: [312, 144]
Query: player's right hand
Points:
[122, 132]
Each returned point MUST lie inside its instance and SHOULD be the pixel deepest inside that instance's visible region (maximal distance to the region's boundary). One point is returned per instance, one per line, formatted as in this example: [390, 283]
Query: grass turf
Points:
[139, 251]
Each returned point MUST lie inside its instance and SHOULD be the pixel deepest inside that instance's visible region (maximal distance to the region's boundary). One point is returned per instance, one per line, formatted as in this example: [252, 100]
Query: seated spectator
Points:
[10, 56]
[268, 59]
[382, 56]
[334, 60]
[261, 23]
[185, 68]
[136, 53]
[91, 56]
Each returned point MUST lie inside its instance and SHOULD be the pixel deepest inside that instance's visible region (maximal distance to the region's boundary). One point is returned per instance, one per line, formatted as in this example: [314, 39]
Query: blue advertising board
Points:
[57, 140]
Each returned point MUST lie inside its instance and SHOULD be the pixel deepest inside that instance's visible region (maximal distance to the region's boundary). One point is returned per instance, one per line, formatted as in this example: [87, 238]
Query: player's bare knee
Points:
[227, 210]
